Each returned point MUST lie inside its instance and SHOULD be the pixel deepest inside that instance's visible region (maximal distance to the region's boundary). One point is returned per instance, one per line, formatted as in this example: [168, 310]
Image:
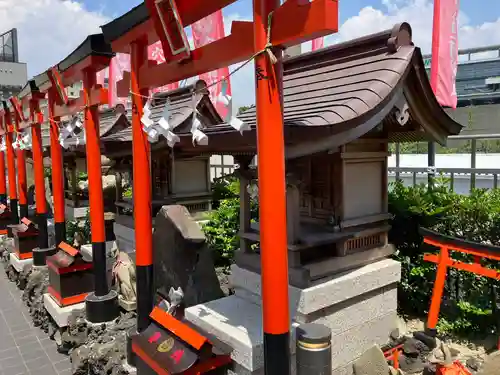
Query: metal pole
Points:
[56, 159]
[431, 163]
[398, 161]
[41, 202]
[272, 207]
[11, 170]
[142, 192]
[473, 146]
[314, 349]
[3, 182]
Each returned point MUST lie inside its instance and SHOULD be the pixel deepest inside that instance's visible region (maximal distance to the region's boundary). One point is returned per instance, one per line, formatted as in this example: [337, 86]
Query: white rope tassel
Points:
[164, 128]
[227, 100]
[69, 131]
[199, 137]
[3, 145]
[25, 140]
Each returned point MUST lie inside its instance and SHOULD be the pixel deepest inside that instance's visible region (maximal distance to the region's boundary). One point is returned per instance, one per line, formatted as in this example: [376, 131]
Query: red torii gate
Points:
[30, 99]
[11, 162]
[46, 86]
[272, 29]
[82, 64]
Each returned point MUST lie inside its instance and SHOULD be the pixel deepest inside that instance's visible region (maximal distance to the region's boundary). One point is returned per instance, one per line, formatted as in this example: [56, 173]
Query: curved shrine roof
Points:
[375, 85]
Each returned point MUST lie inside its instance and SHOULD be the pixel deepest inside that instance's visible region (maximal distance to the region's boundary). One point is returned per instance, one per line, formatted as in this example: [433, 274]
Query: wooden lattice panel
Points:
[363, 243]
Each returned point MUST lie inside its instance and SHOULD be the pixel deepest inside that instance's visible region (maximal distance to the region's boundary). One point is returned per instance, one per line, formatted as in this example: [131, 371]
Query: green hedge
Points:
[467, 305]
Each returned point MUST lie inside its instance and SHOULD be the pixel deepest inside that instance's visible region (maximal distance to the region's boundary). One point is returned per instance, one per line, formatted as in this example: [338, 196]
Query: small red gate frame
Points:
[447, 244]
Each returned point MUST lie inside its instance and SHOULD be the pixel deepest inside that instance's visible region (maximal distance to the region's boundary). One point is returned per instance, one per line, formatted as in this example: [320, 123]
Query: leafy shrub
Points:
[222, 226]
[83, 227]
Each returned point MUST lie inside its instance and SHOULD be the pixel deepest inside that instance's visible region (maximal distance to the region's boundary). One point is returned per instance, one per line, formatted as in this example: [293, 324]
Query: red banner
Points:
[119, 64]
[205, 31]
[445, 52]
[318, 43]
[155, 53]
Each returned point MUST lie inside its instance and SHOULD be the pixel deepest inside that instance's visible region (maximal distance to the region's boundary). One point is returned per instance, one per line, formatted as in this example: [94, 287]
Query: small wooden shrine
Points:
[342, 106]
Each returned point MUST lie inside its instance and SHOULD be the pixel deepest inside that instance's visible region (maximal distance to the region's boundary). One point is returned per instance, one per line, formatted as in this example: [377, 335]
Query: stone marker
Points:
[182, 258]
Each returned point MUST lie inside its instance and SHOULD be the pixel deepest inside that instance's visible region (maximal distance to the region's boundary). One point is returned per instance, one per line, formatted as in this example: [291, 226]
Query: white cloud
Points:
[48, 30]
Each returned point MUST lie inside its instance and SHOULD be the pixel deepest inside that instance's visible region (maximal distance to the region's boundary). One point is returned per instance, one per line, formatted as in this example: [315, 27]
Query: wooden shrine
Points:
[25, 237]
[343, 105]
[70, 276]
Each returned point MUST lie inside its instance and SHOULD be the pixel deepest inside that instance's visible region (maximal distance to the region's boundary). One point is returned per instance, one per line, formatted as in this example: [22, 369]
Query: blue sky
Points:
[476, 10]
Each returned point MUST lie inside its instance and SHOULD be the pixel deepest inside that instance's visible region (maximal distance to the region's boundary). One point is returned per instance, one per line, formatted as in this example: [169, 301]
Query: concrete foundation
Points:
[359, 306]
[58, 313]
[20, 265]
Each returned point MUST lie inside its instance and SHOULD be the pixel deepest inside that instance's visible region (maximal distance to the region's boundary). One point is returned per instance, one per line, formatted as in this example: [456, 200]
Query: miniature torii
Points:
[271, 30]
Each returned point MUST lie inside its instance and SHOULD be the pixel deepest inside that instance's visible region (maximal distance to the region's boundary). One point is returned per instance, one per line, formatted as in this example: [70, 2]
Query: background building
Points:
[13, 74]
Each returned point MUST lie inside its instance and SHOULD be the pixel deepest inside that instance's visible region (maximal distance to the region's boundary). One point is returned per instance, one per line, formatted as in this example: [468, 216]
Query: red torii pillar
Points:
[272, 198]
[56, 159]
[41, 202]
[3, 182]
[142, 190]
[102, 305]
[11, 169]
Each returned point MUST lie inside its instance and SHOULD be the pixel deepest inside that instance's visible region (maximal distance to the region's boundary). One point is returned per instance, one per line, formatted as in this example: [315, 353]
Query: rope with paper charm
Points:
[164, 127]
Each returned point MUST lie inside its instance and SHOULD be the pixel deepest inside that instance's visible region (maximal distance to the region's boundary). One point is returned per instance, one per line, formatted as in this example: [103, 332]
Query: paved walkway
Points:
[24, 349]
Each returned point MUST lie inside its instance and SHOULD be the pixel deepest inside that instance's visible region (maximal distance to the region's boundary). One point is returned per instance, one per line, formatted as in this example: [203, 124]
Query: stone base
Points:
[58, 313]
[126, 305]
[20, 265]
[86, 251]
[358, 306]
[8, 244]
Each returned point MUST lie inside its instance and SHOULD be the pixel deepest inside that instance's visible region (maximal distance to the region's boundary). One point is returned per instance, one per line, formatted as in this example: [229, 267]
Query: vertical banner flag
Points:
[205, 31]
[445, 52]
[119, 64]
[155, 53]
[318, 43]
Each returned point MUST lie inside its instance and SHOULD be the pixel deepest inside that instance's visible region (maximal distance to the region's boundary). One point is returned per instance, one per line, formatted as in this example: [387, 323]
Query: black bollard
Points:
[314, 350]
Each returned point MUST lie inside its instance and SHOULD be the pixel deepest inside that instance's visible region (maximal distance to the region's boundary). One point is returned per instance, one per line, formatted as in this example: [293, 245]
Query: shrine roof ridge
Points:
[93, 45]
[124, 23]
[28, 89]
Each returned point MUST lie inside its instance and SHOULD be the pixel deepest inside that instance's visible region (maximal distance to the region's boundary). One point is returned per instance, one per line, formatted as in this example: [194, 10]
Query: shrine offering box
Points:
[25, 238]
[70, 277]
[171, 346]
[5, 218]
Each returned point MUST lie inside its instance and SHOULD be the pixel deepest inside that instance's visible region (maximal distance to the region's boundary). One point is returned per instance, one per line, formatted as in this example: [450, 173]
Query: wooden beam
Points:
[75, 72]
[98, 96]
[310, 20]
[190, 11]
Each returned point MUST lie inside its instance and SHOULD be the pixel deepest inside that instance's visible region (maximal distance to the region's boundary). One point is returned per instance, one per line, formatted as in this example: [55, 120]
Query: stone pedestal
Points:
[359, 306]
[20, 265]
[86, 251]
[58, 313]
